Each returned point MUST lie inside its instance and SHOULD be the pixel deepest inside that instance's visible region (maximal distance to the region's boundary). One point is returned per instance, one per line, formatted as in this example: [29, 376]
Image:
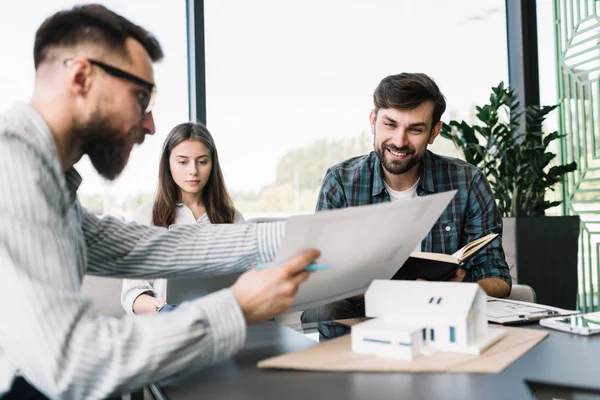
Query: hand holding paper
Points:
[265, 293]
[359, 244]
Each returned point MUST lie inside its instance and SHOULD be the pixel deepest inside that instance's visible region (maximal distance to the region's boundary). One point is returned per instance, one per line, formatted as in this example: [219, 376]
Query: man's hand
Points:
[265, 293]
[458, 276]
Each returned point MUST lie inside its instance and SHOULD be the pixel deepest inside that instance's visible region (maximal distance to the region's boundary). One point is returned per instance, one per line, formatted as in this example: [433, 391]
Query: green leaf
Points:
[514, 159]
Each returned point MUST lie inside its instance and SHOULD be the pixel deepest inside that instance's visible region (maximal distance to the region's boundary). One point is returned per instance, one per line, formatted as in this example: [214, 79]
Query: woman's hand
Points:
[145, 303]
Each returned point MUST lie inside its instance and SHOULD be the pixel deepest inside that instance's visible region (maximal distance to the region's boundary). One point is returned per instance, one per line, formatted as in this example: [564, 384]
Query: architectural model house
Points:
[412, 317]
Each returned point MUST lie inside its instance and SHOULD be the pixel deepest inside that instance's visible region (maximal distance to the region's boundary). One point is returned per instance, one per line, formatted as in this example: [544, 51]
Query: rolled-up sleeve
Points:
[483, 218]
[131, 289]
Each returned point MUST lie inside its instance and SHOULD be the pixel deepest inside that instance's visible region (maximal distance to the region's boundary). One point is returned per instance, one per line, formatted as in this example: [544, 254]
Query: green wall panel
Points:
[577, 35]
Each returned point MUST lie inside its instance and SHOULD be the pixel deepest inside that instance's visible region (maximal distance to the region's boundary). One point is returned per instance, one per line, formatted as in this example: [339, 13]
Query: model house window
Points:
[432, 335]
[424, 334]
[452, 335]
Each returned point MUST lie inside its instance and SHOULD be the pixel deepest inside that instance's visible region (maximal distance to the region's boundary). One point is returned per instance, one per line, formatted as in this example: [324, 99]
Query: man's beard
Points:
[107, 147]
[397, 167]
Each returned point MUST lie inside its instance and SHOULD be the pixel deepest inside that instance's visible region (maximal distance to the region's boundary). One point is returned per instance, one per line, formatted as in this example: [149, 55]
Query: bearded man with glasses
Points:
[94, 90]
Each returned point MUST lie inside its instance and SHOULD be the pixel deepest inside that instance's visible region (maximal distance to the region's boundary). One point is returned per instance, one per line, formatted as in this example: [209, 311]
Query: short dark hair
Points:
[91, 23]
[408, 91]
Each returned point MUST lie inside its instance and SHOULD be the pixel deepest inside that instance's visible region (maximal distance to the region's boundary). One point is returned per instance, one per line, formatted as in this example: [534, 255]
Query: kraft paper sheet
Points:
[336, 355]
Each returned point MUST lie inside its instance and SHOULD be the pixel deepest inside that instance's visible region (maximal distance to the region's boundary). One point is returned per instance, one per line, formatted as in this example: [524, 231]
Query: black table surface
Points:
[561, 358]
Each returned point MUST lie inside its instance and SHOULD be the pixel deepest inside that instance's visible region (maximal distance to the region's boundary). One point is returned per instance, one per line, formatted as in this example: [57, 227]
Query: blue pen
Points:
[311, 267]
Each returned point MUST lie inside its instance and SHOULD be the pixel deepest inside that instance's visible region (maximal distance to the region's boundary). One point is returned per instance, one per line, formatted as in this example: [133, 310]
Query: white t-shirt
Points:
[403, 195]
[407, 194]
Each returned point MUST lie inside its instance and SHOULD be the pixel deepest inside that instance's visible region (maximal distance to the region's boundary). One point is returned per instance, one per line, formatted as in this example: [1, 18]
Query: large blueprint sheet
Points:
[359, 244]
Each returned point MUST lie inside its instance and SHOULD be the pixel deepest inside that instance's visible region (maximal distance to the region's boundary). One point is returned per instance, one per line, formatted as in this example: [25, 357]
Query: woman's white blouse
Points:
[132, 288]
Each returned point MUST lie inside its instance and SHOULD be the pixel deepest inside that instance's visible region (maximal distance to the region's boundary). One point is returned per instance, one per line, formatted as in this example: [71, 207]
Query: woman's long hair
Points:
[217, 202]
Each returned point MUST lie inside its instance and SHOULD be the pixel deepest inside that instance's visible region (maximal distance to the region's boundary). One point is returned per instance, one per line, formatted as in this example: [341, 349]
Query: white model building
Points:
[412, 317]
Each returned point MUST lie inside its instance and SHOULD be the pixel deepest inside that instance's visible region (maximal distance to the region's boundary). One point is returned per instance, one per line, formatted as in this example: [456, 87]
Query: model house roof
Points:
[415, 300]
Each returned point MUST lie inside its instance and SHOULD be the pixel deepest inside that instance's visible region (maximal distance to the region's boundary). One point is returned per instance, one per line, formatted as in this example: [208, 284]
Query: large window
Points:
[290, 84]
[168, 23]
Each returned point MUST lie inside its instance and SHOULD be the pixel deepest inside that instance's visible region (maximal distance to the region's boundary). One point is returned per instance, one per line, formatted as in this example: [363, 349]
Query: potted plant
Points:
[517, 163]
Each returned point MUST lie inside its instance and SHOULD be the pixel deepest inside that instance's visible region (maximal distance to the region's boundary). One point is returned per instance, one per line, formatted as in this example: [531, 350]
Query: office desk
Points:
[561, 358]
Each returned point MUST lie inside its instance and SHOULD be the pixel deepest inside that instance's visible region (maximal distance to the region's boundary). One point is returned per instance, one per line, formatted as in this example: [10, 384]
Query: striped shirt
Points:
[132, 288]
[49, 333]
[471, 214]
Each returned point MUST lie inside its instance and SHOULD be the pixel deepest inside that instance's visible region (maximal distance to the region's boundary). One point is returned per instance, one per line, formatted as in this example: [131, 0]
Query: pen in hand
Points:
[311, 267]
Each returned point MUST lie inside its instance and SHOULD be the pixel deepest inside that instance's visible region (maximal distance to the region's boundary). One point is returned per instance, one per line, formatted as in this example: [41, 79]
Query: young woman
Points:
[190, 190]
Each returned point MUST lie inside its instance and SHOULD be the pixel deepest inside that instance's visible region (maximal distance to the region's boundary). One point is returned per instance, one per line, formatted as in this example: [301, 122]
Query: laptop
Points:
[185, 289]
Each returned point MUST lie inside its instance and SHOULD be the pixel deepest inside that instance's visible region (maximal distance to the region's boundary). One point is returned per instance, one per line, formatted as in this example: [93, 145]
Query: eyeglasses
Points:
[146, 99]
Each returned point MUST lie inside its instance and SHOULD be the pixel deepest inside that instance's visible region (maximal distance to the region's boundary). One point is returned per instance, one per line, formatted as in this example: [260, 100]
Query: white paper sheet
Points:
[359, 244]
[513, 312]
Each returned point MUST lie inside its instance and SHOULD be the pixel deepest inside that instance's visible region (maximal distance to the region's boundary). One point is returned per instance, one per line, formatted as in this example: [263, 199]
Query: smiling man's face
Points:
[401, 136]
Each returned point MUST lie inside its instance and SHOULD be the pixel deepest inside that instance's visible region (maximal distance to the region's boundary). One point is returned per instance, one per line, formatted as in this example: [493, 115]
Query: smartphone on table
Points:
[582, 324]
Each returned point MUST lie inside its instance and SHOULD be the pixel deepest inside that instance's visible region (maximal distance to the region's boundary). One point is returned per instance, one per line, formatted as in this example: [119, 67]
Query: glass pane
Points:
[548, 83]
[290, 84]
[138, 182]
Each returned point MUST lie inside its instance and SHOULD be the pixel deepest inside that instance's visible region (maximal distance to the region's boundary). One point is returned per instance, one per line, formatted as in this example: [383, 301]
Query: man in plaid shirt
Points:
[406, 118]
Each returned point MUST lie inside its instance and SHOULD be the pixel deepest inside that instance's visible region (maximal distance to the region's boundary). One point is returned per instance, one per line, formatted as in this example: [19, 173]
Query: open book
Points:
[437, 266]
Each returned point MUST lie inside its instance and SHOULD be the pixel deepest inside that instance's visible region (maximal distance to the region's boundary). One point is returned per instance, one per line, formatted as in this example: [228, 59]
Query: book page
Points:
[435, 256]
[473, 247]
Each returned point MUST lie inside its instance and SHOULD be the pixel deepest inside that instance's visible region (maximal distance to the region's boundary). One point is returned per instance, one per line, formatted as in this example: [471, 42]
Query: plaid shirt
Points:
[472, 213]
